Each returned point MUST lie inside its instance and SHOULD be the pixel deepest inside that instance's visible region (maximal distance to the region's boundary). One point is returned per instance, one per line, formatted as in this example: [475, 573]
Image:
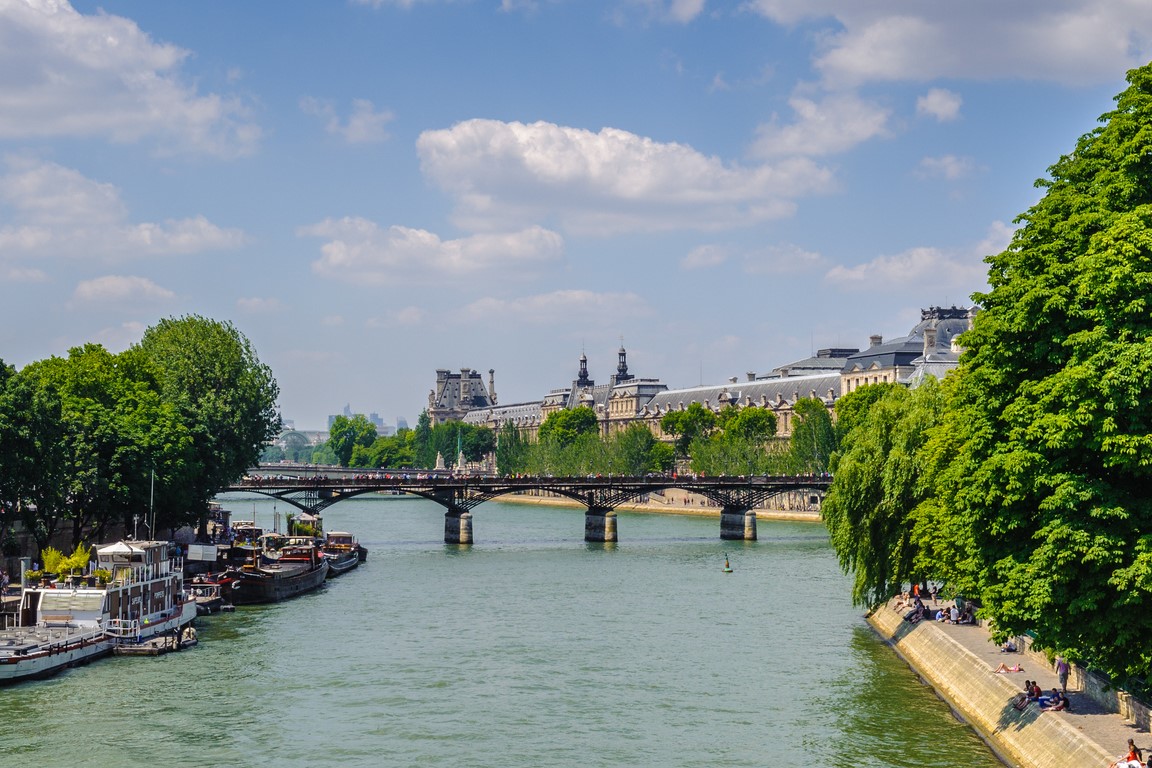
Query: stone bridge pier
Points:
[737, 523]
[600, 524]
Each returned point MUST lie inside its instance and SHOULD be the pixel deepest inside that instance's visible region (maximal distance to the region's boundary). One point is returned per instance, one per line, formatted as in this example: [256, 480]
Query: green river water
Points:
[530, 648]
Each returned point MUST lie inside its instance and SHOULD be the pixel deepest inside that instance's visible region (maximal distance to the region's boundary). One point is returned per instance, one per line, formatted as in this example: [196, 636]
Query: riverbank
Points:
[957, 662]
[672, 502]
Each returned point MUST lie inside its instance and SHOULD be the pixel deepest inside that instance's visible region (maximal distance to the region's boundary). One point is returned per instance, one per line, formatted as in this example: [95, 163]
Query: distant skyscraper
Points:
[401, 423]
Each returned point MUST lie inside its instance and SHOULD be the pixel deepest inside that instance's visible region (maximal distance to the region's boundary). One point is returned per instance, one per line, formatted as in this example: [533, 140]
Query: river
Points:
[530, 648]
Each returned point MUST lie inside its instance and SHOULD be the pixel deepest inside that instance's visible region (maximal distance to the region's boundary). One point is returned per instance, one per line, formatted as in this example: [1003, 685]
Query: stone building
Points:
[457, 394]
[929, 349]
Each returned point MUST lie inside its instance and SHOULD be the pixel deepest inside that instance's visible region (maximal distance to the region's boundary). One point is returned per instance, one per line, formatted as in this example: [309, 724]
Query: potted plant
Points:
[103, 576]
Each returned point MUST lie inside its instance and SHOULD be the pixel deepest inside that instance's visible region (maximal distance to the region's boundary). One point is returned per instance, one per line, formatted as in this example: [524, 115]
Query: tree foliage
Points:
[348, 433]
[1053, 419]
[565, 426]
[687, 425]
[813, 438]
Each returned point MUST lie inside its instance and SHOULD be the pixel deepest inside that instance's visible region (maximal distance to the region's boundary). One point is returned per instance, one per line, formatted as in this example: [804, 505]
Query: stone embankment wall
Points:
[1027, 738]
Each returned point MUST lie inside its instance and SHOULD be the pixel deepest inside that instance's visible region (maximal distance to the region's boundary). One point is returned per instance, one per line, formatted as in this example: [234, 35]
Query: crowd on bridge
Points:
[393, 479]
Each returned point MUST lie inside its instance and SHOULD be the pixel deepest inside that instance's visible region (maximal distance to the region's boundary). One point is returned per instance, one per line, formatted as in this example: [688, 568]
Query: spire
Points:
[622, 366]
[582, 379]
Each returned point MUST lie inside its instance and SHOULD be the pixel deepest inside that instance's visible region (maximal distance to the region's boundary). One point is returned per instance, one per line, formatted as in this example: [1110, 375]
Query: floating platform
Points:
[156, 646]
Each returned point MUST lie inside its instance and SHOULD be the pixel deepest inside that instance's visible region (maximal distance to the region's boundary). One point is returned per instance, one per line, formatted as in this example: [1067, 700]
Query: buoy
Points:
[727, 567]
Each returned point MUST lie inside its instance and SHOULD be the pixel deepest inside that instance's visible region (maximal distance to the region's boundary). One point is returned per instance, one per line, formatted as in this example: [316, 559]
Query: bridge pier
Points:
[458, 527]
[600, 525]
[737, 523]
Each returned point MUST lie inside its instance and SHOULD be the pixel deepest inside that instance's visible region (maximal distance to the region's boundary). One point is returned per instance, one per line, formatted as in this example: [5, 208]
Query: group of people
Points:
[1057, 701]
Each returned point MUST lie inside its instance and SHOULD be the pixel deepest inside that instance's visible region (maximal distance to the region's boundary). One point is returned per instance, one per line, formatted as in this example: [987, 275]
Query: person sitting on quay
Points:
[966, 616]
[1009, 646]
[954, 614]
[1023, 698]
[1134, 758]
[917, 611]
[902, 602]
[1057, 702]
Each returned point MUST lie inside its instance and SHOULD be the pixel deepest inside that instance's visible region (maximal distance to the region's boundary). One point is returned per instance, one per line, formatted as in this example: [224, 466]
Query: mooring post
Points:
[600, 524]
[737, 523]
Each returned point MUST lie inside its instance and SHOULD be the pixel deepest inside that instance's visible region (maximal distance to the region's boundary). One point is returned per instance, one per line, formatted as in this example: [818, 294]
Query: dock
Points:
[157, 646]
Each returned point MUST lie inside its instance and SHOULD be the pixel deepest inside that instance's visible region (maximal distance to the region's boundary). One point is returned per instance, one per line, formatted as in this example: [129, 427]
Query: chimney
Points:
[875, 340]
[492, 385]
[929, 341]
[751, 375]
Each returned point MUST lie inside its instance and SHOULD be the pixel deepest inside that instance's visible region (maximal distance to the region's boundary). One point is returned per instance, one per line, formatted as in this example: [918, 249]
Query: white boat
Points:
[63, 626]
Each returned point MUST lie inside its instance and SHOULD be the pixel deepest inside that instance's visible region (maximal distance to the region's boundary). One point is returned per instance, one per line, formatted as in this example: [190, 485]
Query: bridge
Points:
[315, 489]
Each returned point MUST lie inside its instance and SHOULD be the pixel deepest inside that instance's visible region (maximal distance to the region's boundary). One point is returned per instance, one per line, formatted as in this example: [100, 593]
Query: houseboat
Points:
[64, 624]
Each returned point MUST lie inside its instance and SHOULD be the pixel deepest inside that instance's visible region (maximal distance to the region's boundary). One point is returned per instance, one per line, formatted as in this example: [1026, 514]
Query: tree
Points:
[813, 439]
[348, 433]
[422, 442]
[636, 451]
[870, 510]
[853, 407]
[565, 426]
[1052, 424]
[511, 450]
[692, 422]
[224, 396]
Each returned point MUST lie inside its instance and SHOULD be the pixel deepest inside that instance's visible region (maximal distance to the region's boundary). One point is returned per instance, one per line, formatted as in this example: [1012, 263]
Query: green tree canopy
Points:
[348, 433]
[224, 396]
[813, 439]
[565, 426]
[692, 422]
[1053, 417]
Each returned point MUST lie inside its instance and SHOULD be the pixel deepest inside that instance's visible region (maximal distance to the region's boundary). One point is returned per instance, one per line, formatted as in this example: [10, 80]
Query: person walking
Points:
[1062, 669]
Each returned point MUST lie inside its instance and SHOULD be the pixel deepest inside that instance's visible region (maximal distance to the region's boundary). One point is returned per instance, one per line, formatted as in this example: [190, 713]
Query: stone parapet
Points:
[1027, 738]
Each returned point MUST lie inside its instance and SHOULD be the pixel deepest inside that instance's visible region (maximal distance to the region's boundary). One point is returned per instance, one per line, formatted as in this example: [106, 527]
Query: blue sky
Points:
[374, 189]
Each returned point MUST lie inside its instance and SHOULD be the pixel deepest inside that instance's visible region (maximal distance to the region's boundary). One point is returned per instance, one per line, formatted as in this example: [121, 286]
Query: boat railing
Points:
[126, 574]
[123, 629]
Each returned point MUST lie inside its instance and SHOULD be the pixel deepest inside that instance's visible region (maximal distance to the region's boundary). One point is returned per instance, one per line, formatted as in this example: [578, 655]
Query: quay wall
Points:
[1028, 738]
[670, 503]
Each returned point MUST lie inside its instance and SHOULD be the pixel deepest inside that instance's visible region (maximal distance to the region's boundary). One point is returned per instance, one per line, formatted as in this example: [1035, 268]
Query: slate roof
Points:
[761, 391]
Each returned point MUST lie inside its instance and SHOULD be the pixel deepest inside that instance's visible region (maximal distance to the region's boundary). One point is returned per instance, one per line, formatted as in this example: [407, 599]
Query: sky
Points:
[370, 190]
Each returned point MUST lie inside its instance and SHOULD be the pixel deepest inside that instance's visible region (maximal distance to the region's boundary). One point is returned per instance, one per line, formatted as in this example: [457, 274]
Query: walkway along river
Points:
[530, 648]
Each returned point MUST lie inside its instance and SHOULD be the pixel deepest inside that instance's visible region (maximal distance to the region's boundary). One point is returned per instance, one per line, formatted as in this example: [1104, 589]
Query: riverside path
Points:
[313, 489]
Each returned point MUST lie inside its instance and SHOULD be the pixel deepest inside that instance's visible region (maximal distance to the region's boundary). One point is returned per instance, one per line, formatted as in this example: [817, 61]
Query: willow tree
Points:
[1052, 425]
[871, 510]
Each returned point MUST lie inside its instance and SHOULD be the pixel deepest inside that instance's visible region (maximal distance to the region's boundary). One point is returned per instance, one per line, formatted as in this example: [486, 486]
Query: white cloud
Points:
[940, 103]
[67, 74]
[947, 167]
[1072, 41]
[24, 275]
[120, 289]
[505, 175]
[359, 250]
[398, 318]
[925, 270]
[561, 308]
[705, 257]
[259, 306]
[677, 11]
[57, 211]
[783, 259]
[363, 126]
[836, 124]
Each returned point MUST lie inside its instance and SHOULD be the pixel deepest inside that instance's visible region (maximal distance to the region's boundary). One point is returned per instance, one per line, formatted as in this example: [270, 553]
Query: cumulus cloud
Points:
[675, 11]
[504, 175]
[360, 250]
[940, 103]
[705, 257]
[782, 259]
[68, 74]
[54, 211]
[561, 308]
[836, 124]
[925, 269]
[364, 125]
[948, 167]
[24, 275]
[1073, 42]
[120, 289]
